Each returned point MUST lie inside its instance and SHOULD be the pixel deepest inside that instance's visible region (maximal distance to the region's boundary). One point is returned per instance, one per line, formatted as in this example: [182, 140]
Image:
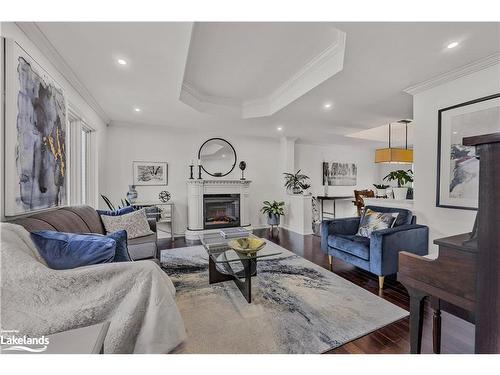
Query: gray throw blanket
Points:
[137, 298]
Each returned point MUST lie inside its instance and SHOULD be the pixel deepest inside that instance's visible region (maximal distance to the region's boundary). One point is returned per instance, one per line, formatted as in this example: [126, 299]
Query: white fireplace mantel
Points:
[196, 189]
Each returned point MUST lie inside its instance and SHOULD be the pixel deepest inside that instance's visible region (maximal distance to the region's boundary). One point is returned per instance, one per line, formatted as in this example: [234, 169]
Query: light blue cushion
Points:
[118, 212]
[64, 251]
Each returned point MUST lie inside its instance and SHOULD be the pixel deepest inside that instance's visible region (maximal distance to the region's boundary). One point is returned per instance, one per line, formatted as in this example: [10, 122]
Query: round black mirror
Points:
[217, 156]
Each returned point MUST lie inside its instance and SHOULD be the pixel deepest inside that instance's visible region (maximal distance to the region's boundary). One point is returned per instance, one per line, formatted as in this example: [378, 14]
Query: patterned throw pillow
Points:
[135, 223]
[373, 220]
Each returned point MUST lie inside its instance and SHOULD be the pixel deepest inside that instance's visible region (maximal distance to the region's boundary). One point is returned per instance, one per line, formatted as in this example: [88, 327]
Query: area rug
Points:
[297, 306]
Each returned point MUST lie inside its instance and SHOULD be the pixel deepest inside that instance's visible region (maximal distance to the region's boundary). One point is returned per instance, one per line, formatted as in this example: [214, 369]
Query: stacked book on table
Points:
[234, 232]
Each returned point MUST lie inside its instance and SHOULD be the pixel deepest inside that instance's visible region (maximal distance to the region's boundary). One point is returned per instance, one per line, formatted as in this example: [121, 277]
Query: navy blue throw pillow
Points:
[64, 251]
[121, 253]
[118, 212]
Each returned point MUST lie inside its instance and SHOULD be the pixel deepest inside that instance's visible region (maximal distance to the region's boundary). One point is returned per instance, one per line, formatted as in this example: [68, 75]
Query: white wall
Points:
[443, 221]
[127, 143]
[309, 159]
[74, 100]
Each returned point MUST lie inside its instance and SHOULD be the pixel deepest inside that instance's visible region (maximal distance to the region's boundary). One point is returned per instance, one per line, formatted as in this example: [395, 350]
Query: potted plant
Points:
[274, 211]
[305, 189]
[381, 189]
[295, 182]
[402, 177]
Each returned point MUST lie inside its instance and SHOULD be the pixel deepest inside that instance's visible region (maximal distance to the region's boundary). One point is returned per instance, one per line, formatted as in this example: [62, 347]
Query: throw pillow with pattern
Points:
[135, 223]
[373, 220]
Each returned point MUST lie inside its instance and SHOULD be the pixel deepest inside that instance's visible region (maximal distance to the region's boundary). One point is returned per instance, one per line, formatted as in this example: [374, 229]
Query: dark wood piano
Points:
[465, 278]
[449, 281]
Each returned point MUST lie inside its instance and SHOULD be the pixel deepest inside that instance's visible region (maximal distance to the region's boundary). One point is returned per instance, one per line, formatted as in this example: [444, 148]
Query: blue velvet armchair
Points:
[379, 253]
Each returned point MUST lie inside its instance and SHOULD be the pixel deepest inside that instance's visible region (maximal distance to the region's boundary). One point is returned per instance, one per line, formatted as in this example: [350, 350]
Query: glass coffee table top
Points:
[218, 249]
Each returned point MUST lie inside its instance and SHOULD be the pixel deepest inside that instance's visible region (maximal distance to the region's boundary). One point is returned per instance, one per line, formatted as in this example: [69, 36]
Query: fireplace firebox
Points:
[221, 211]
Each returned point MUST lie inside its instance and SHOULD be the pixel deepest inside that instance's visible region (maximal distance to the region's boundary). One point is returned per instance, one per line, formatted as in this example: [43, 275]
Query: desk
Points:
[323, 198]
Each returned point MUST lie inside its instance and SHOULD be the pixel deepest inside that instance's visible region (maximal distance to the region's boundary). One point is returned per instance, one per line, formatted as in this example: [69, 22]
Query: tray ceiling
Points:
[256, 69]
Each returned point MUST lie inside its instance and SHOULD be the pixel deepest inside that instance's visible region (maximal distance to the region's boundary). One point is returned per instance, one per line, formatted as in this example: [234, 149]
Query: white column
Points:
[195, 204]
[287, 151]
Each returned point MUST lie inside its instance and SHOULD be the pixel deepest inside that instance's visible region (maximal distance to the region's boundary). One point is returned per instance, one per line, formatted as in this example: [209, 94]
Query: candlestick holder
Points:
[199, 172]
[191, 172]
[242, 166]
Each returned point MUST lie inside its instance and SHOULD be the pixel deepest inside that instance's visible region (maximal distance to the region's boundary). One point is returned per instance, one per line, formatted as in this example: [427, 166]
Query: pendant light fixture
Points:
[393, 154]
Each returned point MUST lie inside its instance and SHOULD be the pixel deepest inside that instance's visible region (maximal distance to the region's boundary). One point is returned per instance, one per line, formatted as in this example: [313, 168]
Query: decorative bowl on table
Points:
[247, 245]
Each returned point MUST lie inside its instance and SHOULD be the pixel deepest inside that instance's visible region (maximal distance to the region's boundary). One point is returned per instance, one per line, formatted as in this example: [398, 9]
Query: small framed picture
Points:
[150, 173]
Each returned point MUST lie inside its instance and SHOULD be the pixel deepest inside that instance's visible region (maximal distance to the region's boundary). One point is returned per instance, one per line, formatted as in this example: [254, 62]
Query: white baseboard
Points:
[284, 226]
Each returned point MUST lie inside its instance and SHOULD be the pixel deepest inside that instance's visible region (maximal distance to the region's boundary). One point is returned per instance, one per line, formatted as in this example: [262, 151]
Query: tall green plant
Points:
[401, 176]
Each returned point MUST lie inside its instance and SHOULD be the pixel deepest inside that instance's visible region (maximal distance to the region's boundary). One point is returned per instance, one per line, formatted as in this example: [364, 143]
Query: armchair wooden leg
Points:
[330, 261]
[381, 282]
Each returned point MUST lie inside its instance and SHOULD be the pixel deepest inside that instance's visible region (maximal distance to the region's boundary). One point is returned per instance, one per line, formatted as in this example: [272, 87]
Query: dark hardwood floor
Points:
[457, 334]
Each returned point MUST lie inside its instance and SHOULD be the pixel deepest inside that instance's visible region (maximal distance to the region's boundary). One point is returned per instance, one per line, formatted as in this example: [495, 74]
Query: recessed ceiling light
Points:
[455, 132]
[279, 128]
[121, 62]
[136, 109]
[452, 45]
[327, 105]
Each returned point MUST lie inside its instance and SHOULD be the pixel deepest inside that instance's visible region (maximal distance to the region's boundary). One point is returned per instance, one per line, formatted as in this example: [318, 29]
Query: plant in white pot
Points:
[381, 190]
[305, 189]
[273, 211]
[402, 177]
[295, 182]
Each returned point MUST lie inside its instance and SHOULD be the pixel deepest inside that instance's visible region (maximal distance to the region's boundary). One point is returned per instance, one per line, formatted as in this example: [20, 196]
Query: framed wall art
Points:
[457, 165]
[150, 173]
[36, 168]
[339, 174]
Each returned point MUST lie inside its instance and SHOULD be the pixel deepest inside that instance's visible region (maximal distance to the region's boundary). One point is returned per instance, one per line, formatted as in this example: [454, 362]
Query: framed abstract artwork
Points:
[457, 167]
[339, 174]
[36, 169]
[150, 173]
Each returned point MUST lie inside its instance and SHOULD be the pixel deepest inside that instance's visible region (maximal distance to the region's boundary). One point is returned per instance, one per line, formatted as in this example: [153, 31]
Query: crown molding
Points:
[318, 69]
[190, 89]
[465, 70]
[208, 103]
[39, 39]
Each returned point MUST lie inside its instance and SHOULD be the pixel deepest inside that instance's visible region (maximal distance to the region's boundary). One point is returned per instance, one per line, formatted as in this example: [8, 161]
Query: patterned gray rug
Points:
[297, 306]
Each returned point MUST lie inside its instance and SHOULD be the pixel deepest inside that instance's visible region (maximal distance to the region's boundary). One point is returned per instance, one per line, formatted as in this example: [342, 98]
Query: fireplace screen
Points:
[221, 210]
